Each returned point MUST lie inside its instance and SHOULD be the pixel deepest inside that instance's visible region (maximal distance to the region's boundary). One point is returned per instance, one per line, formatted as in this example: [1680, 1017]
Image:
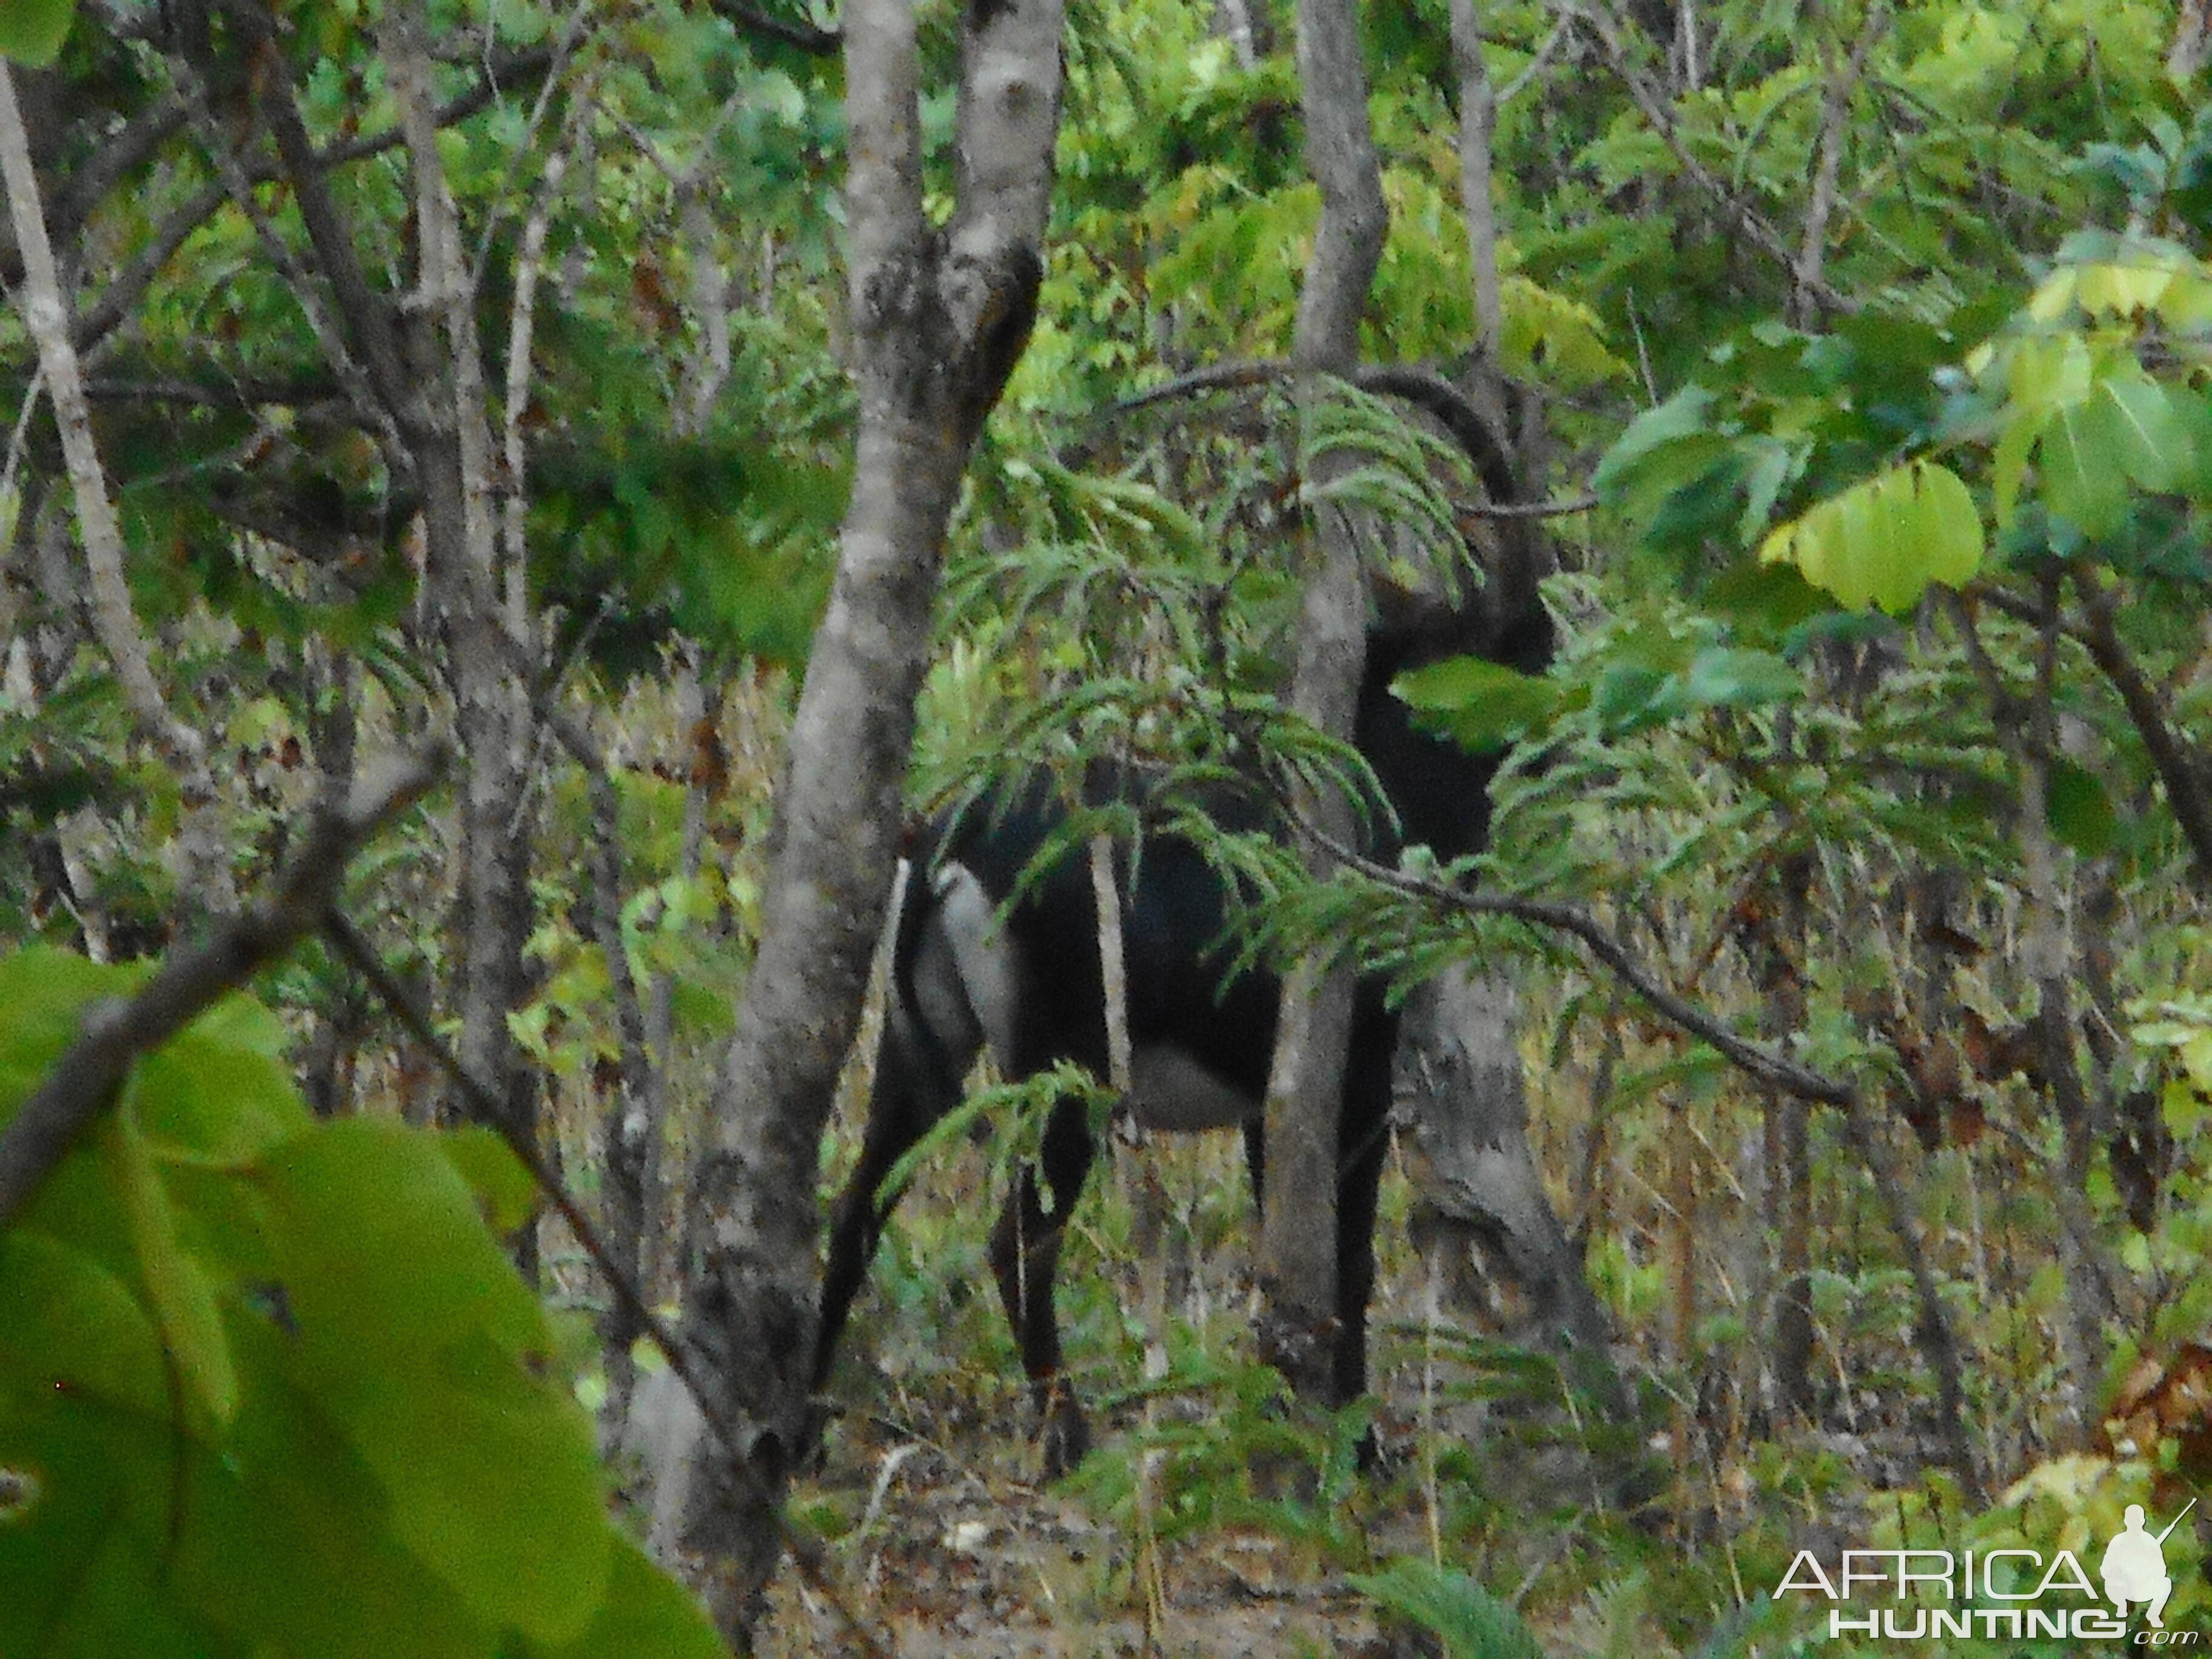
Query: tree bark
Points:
[447, 428]
[939, 322]
[1483, 1220]
[1298, 1255]
[204, 852]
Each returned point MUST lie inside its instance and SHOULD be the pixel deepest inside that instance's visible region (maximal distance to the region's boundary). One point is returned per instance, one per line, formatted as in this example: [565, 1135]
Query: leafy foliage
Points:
[270, 1385]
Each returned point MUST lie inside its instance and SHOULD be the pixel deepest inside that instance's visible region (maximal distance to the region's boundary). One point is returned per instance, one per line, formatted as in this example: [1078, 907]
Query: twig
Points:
[1835, 106]
[46, 317]
[1754, 226]
[2181, 772]
[820, 42]
[487, 1109]
[1536, 65]
[1757, 1061]
[115, 1033]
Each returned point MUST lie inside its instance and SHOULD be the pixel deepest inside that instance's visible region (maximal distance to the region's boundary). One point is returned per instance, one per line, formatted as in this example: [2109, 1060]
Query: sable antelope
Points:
[968, 970]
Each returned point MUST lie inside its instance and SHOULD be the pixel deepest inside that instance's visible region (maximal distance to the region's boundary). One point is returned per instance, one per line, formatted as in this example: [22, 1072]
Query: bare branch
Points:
[1835, 106]
[46, 315]
[115, 1033]
[367, 314]
[1754, 226]
[2182, 773]
[1753, 1059]
[821, 42]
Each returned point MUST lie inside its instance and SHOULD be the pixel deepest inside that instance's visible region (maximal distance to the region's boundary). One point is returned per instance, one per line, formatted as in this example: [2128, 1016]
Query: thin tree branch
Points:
[367, 314]
[2181, 772]
[1936, 1332]
[1754, 226]
[46, 315]
[1835, 106]
[115, 1033]
[363, 395]
[124, 289]
[1536, 65]
[485, 1107]
[819, 42]
[1753, 1059]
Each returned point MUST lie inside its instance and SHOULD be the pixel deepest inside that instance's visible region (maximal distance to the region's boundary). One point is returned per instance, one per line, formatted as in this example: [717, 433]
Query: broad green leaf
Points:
[1479, 704]
[290, 1536]
[2008, 461]
[184, 1298]
[382, 1249]
[45, 992]
[2078, 811]
[644, 1612]
[1730, 677]
[1626, 699]
[2123, 290]
[1765, 601]
[31, 31]
[1947, 527]
[1663, 449]
[2154, 441]
[1885, 538]
[2049, 371]
[68, 1323]
[84, 1561]
[505, 1191]
[493, 1481]
[2085, 480]
[205, 1100]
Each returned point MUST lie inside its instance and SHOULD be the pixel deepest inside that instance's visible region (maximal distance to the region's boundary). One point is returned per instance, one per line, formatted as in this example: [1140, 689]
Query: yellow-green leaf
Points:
[183, 1296]
[1884, 540]
[31, 31]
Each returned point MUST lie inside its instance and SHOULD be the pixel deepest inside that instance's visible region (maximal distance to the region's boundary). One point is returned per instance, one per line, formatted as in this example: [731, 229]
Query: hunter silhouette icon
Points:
[2135, 1565]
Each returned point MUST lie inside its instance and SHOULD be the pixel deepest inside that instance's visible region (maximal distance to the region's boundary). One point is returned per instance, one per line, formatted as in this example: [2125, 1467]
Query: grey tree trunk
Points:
[938, 321]
[1484, 1222]
[443, 414]
[1298, 1253]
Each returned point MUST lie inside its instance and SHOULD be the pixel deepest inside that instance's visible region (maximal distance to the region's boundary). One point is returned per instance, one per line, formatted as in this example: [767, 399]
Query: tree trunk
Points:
[937, 323]
[1297, 1230]
[1483, 1220]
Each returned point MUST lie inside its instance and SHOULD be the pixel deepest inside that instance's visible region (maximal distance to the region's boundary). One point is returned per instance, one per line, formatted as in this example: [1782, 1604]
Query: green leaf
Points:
[184, 1298]
[68, 1324]
[381, 1247]
[1947, 528]
[83, 1559]
[1471, 1622]
[506, 1191]
[1730, 677]
[494, 1481]
[31, 31]
[1663, 449]
[644, 1612]
[1478, 704]
[289, 1536]
[431, 1354]
[2085, 479]
[44, 992]
[2155, 443]
[1885, 540]
[2078, 811]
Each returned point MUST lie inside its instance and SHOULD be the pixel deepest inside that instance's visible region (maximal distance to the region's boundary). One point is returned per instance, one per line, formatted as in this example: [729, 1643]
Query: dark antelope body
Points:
[1027, 983]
